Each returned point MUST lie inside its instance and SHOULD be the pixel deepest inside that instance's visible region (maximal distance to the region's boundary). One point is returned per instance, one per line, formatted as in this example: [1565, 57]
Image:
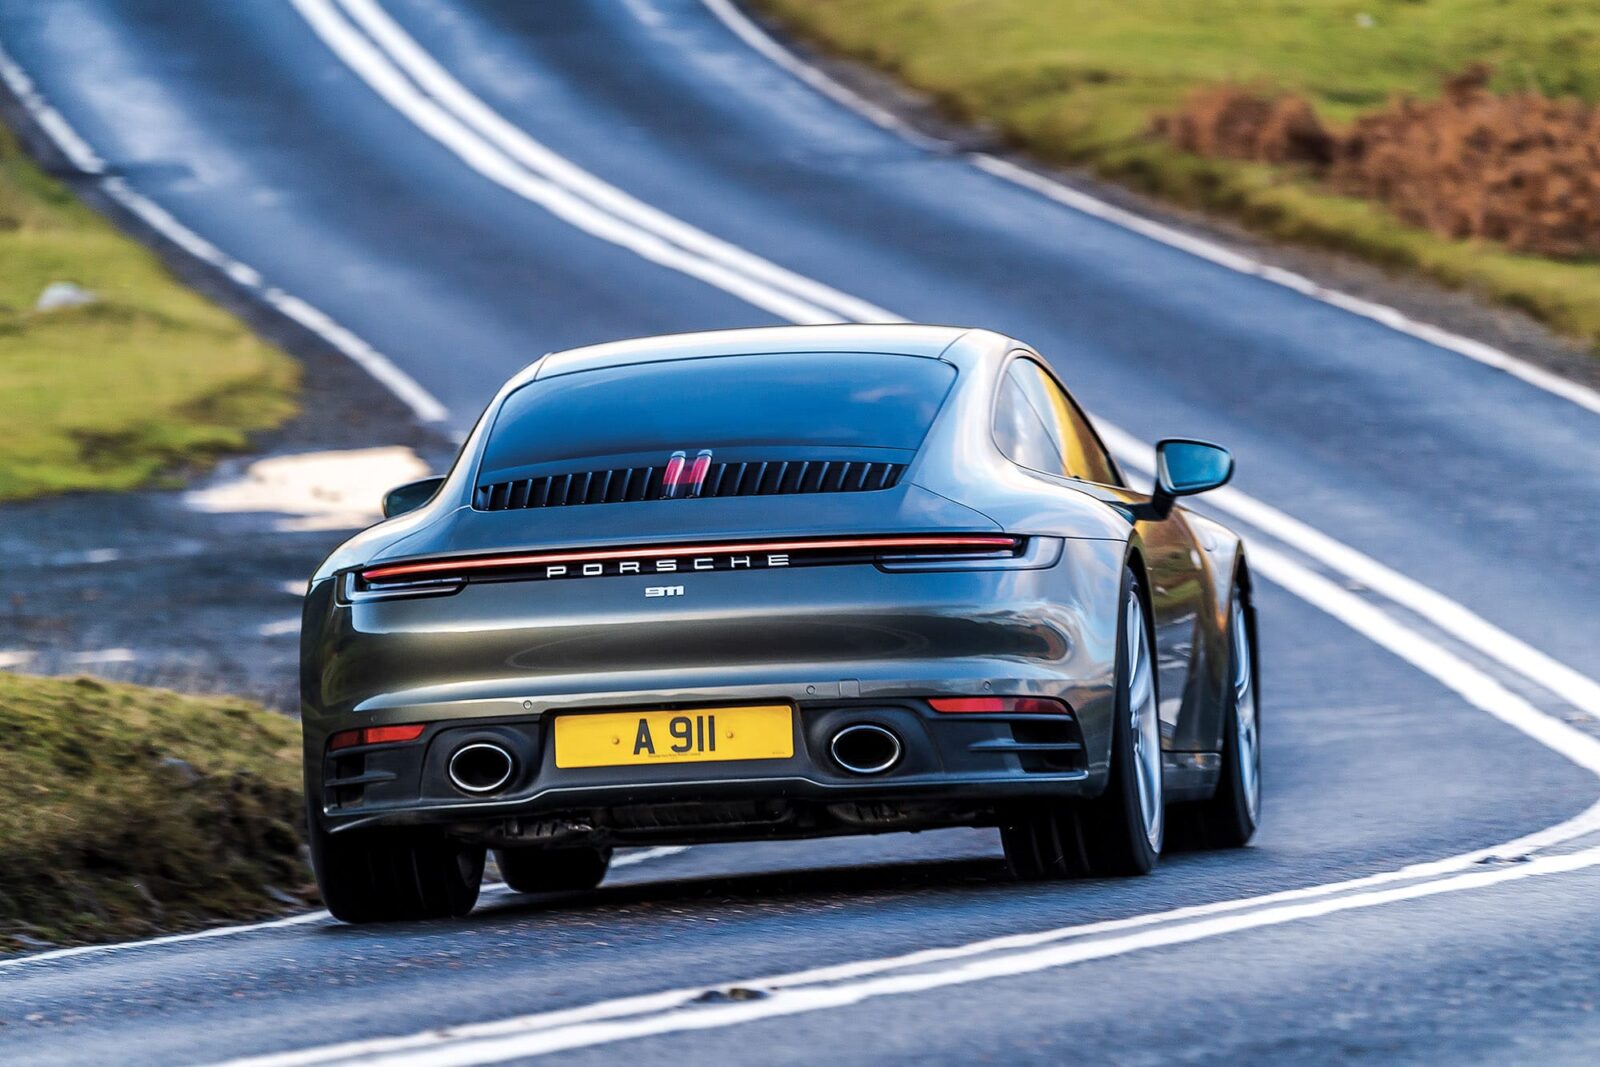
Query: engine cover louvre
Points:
[628, 484]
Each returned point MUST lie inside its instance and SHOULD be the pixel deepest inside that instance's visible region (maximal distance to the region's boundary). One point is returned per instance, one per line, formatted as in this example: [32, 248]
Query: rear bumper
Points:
[953, 770]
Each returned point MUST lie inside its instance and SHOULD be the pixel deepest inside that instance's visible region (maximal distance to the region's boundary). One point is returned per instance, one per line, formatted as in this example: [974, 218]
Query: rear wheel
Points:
[1121, 831]
[1230, 817]
[549, 870]
[392, 876]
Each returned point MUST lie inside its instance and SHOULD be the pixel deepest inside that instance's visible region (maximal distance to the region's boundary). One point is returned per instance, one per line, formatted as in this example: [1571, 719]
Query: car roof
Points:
[928, 342]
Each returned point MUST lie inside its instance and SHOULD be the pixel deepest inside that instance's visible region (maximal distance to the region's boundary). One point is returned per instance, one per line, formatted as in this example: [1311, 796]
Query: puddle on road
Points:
[315, 490]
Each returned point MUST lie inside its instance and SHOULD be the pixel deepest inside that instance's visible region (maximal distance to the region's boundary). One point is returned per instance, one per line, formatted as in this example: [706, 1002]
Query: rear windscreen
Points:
[821, 400]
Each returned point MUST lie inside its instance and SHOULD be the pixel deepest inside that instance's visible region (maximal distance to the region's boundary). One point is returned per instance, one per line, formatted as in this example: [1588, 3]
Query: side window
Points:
[1020, 432]
[1072, 448]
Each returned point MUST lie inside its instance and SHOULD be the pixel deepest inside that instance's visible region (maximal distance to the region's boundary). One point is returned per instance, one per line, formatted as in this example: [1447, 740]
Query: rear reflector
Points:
[553, 561]
[376, 735]
[999, 706]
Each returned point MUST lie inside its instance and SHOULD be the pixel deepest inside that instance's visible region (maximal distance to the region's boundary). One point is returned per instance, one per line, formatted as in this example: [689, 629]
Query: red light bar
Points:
[999, 705]
[376, 735]
[481, 563]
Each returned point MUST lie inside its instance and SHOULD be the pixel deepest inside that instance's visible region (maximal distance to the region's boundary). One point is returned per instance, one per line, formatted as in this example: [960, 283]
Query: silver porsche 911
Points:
[776, 583]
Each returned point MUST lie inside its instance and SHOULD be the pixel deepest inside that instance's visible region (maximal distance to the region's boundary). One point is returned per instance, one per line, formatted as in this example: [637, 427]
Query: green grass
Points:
[147, 381]
[1078, 81]
[127, 811]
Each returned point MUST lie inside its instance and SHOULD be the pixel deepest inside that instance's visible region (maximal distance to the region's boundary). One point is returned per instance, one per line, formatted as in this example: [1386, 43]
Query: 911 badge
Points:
[663, 590]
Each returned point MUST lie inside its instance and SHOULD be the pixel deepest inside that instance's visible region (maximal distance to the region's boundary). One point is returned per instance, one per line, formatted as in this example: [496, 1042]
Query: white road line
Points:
[540, 1035]
[154, 942]
[582, 1026]
[1455, 619]
[103, 655]
[759, 40]
[1506, 706]
[667, 1000]
[1393, 318]
[625, 859]
[1544, 670]
[746, 30]
[646, 13]
[516, 143]
[628, 859]
[14, 657]
[85, 160]
[279, 627]
[1480, 690]
[369, 63]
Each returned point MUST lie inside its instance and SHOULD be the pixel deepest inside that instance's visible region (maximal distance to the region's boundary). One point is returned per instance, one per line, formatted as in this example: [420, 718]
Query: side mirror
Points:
[1184, 468]
[411, 496]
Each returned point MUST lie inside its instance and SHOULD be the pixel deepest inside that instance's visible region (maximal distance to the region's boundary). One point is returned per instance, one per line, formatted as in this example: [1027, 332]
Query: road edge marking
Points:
[627, 859]
[91, 167]
[747, 30]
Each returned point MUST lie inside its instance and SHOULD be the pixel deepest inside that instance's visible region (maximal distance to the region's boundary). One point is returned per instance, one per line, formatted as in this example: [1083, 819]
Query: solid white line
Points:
[421, 402]
[436, 81]
[370, 64]
[759, 40]
[543, 1034]
[666, 1000]
[1476, 687]
[14, 658]
[626, 859]
[645, 855]
[746, 30]
[1471, 684]
[1544, 670]
[84, 159]
[169, 939]
[103, 655]
[1562, 680]
[1393, 318]
[61, 134]
[1504, 710]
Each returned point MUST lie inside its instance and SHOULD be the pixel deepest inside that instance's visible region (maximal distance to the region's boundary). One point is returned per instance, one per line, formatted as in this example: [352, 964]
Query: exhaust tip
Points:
[481, 767]
[865, 749]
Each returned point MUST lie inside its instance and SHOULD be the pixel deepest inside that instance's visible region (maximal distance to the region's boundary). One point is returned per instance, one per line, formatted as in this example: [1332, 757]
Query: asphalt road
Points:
[1426, 525]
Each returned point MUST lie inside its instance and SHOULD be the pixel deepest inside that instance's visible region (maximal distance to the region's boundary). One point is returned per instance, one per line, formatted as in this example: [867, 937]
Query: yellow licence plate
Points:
[702, 735]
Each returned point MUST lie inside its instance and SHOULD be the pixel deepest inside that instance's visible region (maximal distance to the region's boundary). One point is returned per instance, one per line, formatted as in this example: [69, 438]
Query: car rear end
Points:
[706, 599]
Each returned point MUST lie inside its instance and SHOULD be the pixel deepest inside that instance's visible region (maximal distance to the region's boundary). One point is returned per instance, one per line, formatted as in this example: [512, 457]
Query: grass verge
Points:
[127, 811]
[145, 381]
[1078, 82]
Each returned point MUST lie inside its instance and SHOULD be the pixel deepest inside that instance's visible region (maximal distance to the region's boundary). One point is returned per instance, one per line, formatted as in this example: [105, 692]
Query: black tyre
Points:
[1121, 831]
[392, 876]
[1230, 817]
[549, 870]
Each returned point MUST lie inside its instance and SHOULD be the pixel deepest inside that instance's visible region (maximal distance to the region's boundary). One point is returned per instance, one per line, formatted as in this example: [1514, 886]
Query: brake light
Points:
[999, 706]
[376, 735]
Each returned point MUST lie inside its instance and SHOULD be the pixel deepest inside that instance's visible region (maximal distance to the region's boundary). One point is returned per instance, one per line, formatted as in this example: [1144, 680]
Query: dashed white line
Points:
[279, 627]
[10, 658]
